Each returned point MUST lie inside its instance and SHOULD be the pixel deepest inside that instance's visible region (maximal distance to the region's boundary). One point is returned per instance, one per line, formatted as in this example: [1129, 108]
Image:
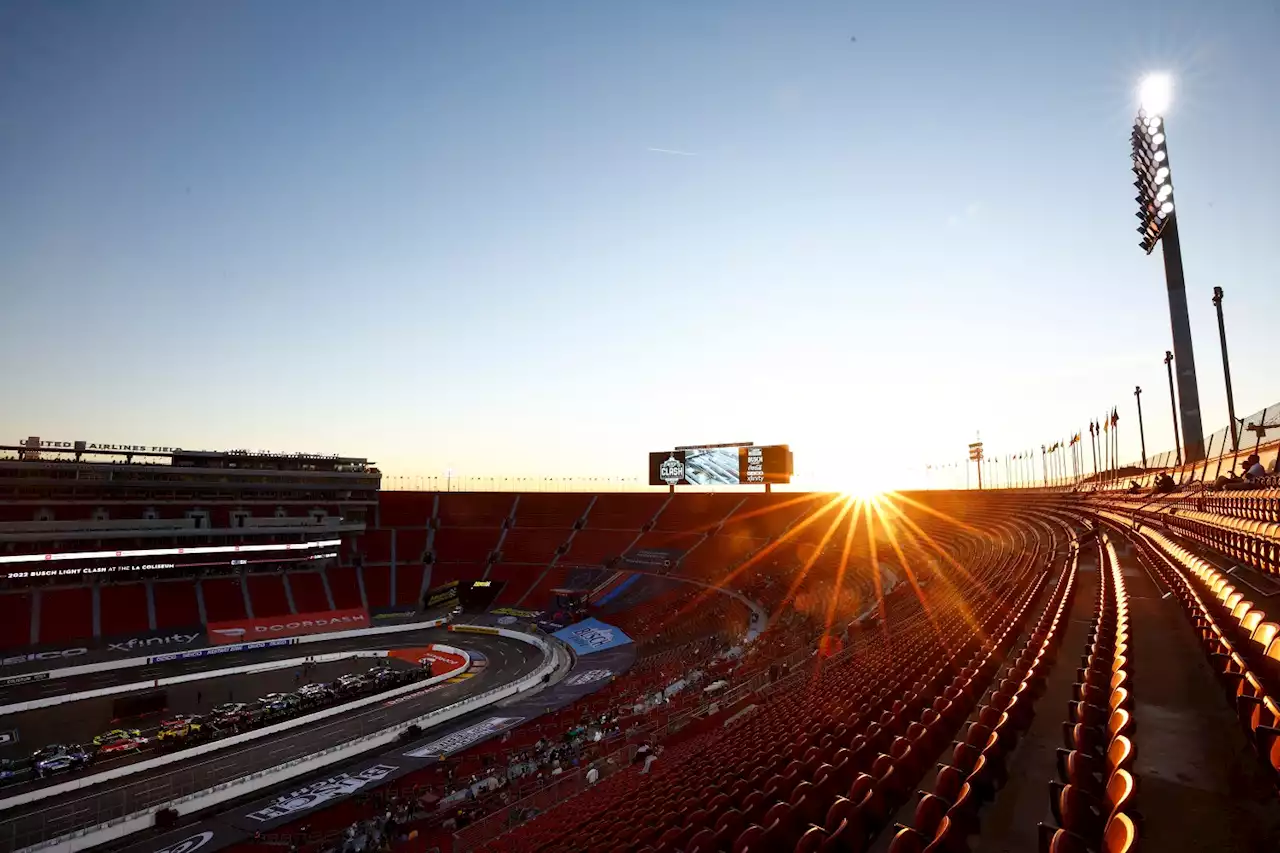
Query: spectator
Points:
[1253, 470]
[593, 775]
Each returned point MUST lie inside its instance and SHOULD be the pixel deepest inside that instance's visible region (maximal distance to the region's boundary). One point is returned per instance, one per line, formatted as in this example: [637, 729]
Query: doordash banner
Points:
[248, 630]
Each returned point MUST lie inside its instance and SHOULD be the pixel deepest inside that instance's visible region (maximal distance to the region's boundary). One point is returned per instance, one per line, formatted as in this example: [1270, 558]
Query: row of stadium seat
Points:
[1093, 802]
[857, 706]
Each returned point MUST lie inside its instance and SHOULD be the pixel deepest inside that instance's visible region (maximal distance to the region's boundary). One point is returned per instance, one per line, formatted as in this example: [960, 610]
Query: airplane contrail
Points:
[673, 151]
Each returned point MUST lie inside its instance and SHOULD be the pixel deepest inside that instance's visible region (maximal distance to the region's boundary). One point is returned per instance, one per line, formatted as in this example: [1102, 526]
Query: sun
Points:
[863, 495]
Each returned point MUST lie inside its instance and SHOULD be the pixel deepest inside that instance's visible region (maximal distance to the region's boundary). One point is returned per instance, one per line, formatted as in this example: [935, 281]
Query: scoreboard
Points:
[721, 466]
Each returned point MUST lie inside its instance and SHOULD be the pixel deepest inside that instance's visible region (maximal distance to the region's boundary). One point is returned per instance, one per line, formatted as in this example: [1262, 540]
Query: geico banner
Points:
[242, 630]
[473, 629]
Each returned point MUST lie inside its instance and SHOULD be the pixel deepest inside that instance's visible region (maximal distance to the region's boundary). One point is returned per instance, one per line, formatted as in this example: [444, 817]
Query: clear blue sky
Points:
[434, 233]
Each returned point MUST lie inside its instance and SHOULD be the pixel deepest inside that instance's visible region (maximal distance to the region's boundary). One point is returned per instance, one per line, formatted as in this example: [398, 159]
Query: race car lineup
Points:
[181, 730]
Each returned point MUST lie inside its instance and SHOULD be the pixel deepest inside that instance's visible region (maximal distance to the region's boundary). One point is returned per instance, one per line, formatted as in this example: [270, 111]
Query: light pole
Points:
[1226, 371]
[1173, 403]
[1160, 225]
[1142, 435]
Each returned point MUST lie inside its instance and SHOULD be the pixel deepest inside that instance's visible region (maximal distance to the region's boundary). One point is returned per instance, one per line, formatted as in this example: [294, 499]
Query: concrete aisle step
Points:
[1009, 823]
[1199, 786]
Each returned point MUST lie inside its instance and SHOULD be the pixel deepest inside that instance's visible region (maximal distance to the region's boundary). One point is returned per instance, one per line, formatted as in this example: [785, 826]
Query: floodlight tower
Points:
[1160, 225]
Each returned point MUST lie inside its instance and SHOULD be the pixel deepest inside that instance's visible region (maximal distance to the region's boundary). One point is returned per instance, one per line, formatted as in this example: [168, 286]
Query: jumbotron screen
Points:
[721, 466]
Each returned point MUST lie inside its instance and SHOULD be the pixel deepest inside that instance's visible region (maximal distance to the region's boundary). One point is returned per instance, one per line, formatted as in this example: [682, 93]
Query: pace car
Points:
[180, 728]
[118, 741]
[58, 758]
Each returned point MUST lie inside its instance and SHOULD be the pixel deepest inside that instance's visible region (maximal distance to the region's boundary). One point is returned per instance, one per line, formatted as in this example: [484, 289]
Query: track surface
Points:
[508, 660]
[80, 721]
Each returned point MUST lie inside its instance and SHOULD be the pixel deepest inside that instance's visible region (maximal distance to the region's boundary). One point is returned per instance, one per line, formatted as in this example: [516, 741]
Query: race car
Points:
[313, 694]
[233, 714]
[381, 675]
[279, 703]
[180, 728]
[58, 758]
[117, 741]
[13, 770]
[351, 683]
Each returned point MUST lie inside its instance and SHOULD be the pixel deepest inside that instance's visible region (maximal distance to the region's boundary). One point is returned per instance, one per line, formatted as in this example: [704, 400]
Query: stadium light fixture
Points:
[1158, 223]
[1155, 93]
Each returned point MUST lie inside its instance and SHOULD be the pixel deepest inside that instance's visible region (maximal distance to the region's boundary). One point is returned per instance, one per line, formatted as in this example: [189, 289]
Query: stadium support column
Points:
[1142, 433]
[1173, 403]
[1226, 371]
[1188, 388]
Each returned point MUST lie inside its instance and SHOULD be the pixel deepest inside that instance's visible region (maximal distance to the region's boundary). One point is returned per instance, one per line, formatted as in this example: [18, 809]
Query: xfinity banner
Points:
[591, 635]
[97, 650]
[243, 630]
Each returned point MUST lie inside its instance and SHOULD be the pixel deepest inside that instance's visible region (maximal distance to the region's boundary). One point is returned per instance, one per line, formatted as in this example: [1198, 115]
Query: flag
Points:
[1115, 417]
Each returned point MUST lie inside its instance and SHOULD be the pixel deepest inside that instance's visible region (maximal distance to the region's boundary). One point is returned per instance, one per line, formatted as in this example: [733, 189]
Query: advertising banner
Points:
[242, 630]
[97, 650]
[317, 794]
[473, 629]
[456, 742]
[221, 650]
[398, 613]
[516, 612]
[591, 635]
[656, 559]
[443, 594]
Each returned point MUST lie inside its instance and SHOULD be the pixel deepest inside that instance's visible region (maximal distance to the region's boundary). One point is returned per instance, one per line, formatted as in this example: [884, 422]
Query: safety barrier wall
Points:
[122, 827]
[215, 746]
[265, 666]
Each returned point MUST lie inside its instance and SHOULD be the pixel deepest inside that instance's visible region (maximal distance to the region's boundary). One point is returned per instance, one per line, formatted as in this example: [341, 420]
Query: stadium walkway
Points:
[1199, 787]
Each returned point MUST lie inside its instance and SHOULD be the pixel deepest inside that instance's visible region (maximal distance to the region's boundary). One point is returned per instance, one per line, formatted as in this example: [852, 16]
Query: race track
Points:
[508, 660]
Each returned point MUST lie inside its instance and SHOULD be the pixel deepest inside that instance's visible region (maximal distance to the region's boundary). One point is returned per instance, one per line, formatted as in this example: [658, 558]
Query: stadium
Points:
[521, 271]
[252, 652]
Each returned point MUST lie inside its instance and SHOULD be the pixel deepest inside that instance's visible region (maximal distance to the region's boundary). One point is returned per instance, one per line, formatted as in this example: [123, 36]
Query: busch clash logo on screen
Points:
[671, 471]
[319, 793]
